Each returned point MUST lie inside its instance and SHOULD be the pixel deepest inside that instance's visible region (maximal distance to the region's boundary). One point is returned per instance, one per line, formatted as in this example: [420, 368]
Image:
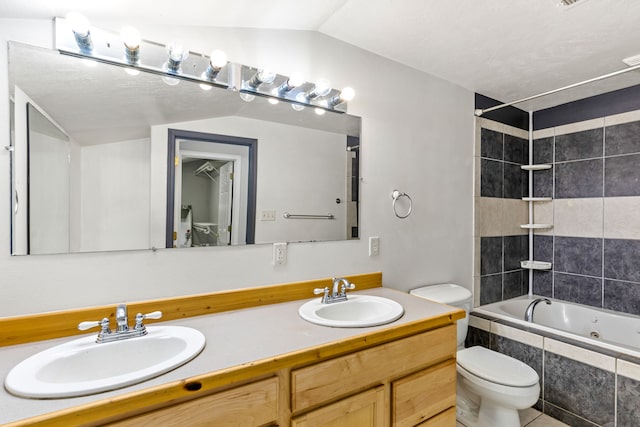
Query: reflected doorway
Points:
[210, 189]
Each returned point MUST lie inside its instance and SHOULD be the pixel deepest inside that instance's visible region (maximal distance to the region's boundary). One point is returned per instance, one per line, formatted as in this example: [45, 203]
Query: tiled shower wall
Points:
[594, 244]
[500, 184]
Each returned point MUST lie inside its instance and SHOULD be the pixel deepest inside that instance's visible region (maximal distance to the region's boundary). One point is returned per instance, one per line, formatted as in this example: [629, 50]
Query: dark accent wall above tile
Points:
[608, 104]
[511, 116]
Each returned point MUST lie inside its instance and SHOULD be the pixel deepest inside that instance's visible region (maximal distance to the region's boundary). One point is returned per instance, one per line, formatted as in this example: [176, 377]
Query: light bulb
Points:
[297, 107]
[266, 76]
[130, 37]
[296, 79]
[218, 59]
[273, 101]
[79, 23]
[131, 71]
[323, 87]
[347, 94]
[319, 111]
[177, 53]
[205, 86]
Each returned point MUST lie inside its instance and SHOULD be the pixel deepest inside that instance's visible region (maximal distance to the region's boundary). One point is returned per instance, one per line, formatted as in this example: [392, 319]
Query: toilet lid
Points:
[496, 367]
[446, 293]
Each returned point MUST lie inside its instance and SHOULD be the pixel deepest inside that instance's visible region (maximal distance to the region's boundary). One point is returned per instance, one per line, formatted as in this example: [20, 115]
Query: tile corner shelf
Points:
[536, 167]
[535, 265]
[537, 199]
[536, 226]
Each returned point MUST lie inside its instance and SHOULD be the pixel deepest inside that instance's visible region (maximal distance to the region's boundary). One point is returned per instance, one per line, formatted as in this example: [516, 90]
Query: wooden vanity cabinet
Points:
[406, 382]
[416, 377]
[254, 404]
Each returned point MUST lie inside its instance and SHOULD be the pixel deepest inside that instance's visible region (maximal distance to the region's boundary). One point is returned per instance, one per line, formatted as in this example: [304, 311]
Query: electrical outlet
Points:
[279, 253]
[374, 246]
[268, 216]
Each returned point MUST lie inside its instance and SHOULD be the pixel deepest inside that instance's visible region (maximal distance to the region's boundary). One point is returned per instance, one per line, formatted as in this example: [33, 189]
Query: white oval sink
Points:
[81, 367]
[358, 311]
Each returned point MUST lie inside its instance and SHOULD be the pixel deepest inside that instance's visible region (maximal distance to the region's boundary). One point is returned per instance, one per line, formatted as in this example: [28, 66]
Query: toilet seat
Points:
[496, 368]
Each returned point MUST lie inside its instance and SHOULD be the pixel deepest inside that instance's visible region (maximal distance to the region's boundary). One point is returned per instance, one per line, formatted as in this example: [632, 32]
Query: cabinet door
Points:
[366, 409]
[444, 419]
[337, 377]
[424, 394]
[253, 404]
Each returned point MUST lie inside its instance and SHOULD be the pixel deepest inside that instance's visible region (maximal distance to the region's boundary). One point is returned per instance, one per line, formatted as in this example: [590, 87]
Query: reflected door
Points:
[225, 203]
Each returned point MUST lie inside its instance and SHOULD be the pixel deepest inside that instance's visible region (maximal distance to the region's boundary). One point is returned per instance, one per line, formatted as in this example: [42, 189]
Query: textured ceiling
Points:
[505, 49]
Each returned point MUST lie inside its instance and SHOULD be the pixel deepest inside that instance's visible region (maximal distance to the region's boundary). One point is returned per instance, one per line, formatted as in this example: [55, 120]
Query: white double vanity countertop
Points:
[233, 338]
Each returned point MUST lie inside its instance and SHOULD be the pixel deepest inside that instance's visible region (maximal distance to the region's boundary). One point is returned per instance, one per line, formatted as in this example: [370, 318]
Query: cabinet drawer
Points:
[366, 409]
[445, 419]
[344, 375]
[424, 394]
[253, 404]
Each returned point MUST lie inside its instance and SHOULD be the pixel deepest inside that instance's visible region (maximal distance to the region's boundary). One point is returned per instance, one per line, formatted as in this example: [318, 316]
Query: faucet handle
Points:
[104, 323]
[318, 291]
[140, 317]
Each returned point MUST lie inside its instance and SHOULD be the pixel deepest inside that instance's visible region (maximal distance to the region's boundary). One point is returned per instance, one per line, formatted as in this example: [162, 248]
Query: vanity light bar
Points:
[138, 54]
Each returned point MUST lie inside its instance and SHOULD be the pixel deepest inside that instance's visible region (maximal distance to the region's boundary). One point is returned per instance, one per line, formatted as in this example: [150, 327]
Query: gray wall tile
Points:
[490, 255]
[586, 144]
[622, 139]
[515, 182]
[628, 402]
[622, 176]
[530, 355]
[580, 289]
[579, 255]
[543, 283]
[567, 417]
[490, 289]
[578, 179]
[491, 144]
[622, 296]
[583, 389]
[516, 150]
[543, 248]
[621, 260]
[513, 285]
[477, 336]
[543, 150]
[543, 183]
[516, 249]
[491, 178]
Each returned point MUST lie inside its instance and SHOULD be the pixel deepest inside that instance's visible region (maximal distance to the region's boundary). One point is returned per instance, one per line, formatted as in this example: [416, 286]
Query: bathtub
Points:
[613, 331]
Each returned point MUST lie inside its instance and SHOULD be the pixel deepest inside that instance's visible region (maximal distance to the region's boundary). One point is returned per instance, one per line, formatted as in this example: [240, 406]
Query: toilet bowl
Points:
[491, 387]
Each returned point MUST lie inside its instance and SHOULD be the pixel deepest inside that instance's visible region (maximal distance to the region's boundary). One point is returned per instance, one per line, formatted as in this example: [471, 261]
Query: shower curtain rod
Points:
[479, 112]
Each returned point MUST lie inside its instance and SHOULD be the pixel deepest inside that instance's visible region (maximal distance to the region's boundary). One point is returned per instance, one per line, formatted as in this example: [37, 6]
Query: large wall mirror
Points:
[109, 158]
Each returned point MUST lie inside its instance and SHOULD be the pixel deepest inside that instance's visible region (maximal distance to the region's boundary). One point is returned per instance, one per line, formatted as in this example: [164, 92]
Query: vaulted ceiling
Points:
[505, 49]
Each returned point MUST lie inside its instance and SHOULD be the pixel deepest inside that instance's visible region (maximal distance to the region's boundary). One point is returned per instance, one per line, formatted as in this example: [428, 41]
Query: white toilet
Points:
[491, 387]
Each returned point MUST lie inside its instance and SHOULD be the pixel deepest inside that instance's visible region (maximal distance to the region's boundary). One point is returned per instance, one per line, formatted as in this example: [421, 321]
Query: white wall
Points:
[417, 136]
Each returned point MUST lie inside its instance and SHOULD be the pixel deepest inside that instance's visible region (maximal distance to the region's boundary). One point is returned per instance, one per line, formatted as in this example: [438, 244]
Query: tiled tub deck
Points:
[582, 383]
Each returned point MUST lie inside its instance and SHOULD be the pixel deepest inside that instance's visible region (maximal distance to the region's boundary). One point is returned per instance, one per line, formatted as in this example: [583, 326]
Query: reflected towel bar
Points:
[288, 215]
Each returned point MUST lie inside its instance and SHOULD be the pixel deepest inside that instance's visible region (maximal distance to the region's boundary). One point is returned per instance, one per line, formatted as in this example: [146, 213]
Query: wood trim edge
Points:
[43, 326]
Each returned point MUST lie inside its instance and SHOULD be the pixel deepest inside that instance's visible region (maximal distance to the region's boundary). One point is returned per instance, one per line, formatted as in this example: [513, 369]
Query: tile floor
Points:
[532, 418]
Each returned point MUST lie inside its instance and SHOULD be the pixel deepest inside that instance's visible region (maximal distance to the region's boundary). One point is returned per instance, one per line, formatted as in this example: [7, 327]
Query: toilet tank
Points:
[453, 295]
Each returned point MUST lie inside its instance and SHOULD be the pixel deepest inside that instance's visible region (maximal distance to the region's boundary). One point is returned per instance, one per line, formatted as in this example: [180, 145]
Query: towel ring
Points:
[397, 195]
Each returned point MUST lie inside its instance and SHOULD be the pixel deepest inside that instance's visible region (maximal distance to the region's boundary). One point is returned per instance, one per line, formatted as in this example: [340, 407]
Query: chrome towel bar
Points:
[288, 215]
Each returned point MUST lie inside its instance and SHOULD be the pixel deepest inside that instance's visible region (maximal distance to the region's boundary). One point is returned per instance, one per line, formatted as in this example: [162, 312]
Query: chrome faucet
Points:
[338, 293]
[528, 314]
[122, 325]
[122, 321]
